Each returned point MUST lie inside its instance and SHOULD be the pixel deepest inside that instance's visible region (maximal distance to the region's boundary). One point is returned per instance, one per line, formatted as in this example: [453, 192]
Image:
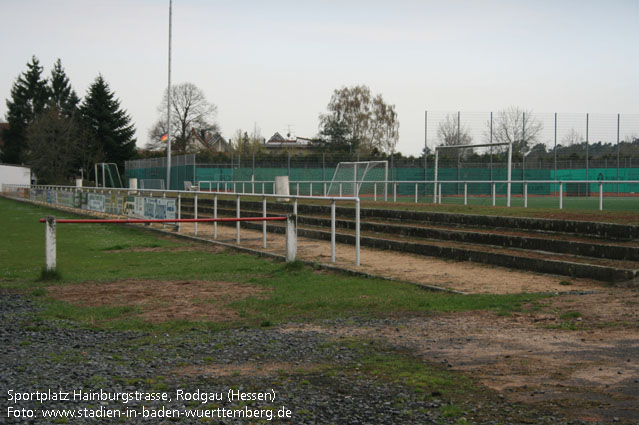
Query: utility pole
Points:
[168, 108]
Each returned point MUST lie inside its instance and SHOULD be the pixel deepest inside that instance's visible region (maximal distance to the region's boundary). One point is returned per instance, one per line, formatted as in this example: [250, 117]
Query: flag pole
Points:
[168, 108]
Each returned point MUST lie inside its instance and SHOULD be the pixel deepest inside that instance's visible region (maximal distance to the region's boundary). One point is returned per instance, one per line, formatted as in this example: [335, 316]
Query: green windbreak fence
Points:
[444, 174]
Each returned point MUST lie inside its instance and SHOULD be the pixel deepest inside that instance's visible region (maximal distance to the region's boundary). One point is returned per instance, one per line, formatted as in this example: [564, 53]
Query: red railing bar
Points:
[165, 220]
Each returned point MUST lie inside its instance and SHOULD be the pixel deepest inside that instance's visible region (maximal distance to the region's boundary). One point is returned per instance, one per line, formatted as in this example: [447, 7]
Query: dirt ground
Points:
[159, 301]
[464, 277]
[586, 366]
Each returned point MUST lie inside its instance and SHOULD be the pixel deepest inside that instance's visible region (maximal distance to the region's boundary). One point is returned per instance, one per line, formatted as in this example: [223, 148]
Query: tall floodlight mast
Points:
[168, 109]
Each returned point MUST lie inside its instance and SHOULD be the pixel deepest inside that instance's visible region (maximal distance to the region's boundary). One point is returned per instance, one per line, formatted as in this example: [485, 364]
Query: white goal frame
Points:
[357, 184]
[510, 163]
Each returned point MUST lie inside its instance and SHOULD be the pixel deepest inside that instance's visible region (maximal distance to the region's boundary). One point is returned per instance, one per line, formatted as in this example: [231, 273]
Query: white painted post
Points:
[179, 212]
[435, 180]
[195, 211]
[525, 195]
[297, 190]
[332, 230]
[510, 172]
[310, 189]
[465, 193]
[416, 186]
[340, 190]
[237, 223]
[600, 196]
[394, 192]
[374, 191]
[357, 233]
[561, 195]
[264, 222]
[440, 193]
[324, 188]
[291, 238]
[215, 216]
[494, 190]
[295, 206]
[50, 244]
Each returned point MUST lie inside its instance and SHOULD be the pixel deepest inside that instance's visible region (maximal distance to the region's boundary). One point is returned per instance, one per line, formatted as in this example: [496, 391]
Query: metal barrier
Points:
[179, 195]
[51, 222]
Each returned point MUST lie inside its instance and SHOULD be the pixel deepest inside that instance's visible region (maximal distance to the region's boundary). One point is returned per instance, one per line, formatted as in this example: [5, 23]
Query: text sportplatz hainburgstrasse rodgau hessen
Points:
[126, 397]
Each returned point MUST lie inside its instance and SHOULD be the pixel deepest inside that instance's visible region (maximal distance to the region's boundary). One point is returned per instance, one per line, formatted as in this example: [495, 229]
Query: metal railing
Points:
[177, 195]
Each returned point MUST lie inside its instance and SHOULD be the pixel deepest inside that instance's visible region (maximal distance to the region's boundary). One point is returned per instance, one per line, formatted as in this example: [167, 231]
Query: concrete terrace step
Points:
[535, 242]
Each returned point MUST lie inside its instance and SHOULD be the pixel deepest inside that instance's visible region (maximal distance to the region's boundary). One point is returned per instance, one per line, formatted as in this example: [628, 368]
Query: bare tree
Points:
[368, 121]
[516, 126]
[451, 132]
[572, 138]
[189, 111]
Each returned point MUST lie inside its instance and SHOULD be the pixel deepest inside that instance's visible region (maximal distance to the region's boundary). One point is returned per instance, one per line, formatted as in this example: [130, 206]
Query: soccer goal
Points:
[362, 179]
[157, 184]
[437, 183]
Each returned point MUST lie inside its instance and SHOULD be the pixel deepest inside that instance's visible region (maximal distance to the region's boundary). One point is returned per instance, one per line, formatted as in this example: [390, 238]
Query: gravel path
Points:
[316, 378]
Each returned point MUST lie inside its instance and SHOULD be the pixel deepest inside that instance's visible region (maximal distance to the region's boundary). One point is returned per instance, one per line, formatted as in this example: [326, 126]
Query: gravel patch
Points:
[42, 355]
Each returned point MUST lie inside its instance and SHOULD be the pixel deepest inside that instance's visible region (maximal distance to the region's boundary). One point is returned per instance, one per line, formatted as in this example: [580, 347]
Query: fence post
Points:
[195, 211]
[291, 237]
[179, 212]
[600, 196]
[465, 193]
[264, 222]
[440, 193]
[494, 190]
[295, 206]
[357, 233]
[215, 216]
[50, 244]
[332, 230]
[374, 191]
[561, 195]
[237, 214]
[394, 192]
[525, 195]
[416, 186]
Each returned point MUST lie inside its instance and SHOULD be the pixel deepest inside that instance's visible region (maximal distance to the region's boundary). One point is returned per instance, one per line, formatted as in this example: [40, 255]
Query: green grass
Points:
[86, 253]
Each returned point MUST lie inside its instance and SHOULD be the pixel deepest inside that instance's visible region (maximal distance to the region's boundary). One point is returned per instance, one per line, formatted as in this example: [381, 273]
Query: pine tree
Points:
[110, 125]
[63, 96]
[29, 96]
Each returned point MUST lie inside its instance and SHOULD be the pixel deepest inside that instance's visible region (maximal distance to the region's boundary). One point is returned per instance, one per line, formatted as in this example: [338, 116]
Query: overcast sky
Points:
[275, 63]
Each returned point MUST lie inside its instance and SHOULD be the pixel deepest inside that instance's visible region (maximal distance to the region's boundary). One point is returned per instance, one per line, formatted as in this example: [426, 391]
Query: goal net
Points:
[363, 179]
[152, 184]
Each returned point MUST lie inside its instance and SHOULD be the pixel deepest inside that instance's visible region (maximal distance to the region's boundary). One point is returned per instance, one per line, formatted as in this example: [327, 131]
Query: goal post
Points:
[510, 160]
[360, 179]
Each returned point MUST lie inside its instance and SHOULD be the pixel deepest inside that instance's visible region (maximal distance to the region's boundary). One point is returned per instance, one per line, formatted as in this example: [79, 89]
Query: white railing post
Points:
[394, 192]
[357, 233]
[374, 191]
[600, 196]
[332, 230]
[416, 188]
[295, 206]
[264, 222]
[465, 193]
[440, 193]
[237, 215]
[310, 189]
[179, 212]
[494, 193]
[195, 212]
[215, 216]
[561, 195]
[525, 195]
[50, 244]
[297, 190]
[291, 238]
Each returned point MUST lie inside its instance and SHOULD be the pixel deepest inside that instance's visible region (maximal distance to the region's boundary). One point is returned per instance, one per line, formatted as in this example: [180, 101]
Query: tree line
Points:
[60, 135]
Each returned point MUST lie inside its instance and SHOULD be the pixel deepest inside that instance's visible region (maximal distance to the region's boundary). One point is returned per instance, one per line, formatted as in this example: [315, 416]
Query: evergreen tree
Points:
[29, 96]
[110, 125]
[63, 96]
